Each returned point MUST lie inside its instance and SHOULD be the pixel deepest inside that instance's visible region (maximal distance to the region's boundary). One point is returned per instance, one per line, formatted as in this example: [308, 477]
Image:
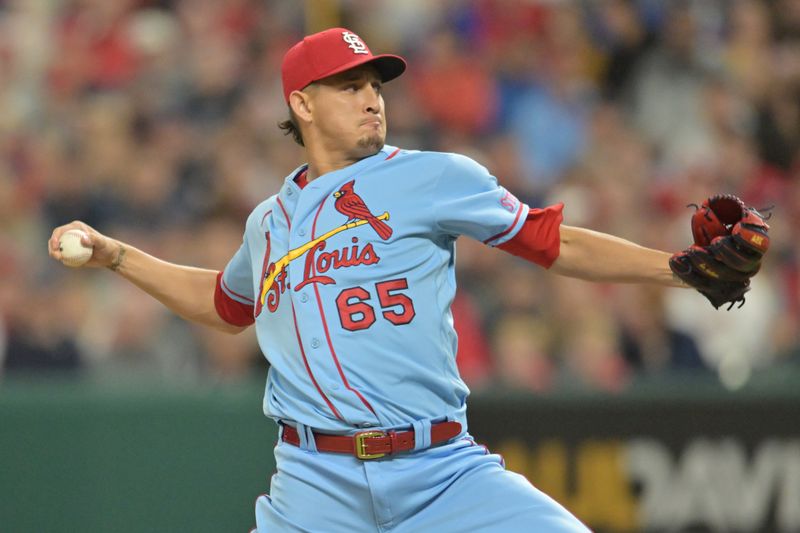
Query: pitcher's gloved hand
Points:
[730, 242]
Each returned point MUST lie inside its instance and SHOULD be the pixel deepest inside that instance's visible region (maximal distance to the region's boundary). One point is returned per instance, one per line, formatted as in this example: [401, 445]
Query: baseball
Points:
[73, 251]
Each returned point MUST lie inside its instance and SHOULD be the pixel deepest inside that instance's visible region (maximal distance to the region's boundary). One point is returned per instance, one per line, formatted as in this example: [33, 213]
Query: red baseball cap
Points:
[330, 52]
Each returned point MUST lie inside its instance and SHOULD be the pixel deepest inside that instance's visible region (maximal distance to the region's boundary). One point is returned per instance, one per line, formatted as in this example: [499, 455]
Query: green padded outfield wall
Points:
[677, 456]
[83, 458]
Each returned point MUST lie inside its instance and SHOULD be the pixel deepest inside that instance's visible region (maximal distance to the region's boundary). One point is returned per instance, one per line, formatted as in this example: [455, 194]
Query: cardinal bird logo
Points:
[353, 207]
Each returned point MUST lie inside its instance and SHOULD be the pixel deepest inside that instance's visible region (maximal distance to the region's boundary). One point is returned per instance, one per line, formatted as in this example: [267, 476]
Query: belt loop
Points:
[307, 441]
[422, 434]
[311, 443]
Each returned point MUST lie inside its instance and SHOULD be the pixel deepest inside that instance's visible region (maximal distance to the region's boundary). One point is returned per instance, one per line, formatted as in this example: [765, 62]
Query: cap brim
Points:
[388, 66]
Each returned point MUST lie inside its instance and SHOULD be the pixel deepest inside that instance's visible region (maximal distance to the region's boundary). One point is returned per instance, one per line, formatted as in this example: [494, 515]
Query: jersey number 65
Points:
[356, 314]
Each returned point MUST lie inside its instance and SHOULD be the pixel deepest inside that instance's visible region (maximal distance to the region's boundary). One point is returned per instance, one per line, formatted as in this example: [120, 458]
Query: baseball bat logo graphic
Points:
[284, 261]
[351, 205]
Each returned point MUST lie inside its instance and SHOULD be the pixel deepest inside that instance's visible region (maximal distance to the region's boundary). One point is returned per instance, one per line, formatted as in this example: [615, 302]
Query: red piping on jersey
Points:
[308, 368]
[507, 231]
[392, 154]
[300, 342]
[228, 289]
[265, 216]
[325, 322]
[285, 214]
[485, 448]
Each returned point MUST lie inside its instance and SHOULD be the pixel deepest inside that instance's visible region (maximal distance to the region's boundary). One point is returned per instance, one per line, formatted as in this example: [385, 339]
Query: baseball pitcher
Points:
[347, 274]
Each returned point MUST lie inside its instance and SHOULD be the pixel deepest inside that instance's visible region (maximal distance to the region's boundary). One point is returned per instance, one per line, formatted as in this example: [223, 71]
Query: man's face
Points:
[348, 113]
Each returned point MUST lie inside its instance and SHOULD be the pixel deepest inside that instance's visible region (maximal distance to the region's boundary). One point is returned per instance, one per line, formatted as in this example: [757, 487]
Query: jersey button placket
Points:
[315, 343]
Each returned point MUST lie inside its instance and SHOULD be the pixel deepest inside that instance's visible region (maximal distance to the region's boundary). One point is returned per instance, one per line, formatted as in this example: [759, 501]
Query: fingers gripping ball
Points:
[73, 251]
[730, 241]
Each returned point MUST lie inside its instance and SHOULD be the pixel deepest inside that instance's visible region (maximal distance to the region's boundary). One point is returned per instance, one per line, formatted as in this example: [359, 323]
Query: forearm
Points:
[594, 256]
[187, 291]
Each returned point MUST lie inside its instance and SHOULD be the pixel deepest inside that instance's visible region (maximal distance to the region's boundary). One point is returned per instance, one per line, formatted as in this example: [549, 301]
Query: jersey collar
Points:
[298, 175]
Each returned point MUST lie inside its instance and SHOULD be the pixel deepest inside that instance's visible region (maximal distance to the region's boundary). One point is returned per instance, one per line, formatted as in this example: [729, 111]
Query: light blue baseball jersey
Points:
[351, 279]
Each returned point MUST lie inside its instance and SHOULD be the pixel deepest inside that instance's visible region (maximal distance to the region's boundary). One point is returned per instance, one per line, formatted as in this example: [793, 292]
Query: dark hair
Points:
[290, 127]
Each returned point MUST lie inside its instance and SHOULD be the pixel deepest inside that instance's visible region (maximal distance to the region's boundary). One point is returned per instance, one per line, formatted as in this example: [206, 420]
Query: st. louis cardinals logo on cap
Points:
[330, 52]
[355, 42]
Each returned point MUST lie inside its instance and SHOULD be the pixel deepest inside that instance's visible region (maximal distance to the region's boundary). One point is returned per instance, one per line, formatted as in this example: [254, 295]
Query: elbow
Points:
[215, 321]
[563, 267]
[230, 329]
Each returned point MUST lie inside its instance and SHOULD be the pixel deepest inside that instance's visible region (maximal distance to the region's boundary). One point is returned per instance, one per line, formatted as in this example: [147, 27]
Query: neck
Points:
[318, 166]
[321, 161]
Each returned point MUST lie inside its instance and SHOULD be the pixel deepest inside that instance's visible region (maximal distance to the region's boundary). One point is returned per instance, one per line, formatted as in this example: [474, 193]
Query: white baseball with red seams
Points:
[73, 252]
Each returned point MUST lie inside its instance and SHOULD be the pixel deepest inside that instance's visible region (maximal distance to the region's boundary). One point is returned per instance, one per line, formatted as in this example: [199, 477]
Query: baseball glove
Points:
[730, 240]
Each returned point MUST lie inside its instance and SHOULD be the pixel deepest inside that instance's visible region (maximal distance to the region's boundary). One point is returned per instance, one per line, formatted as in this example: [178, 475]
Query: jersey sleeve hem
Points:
[511, 231]
[240, 298]
[230, 310]
[539, 238]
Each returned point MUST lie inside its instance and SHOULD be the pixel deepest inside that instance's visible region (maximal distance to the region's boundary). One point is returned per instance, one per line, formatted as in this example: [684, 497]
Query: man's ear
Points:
[300, 103]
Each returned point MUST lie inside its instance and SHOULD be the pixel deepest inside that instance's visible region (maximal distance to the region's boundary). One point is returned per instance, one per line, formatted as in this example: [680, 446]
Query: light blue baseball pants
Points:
[456, 487]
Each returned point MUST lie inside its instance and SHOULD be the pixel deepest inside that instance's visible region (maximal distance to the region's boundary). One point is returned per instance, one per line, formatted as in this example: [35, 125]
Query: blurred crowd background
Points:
[156, 123]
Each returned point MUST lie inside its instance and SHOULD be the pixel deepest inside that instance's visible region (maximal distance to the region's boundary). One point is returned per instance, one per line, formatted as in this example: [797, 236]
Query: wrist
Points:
[118, 258]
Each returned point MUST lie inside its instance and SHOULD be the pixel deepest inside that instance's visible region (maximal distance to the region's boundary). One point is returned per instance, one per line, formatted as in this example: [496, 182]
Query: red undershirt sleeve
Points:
[539, 239]
[229, 310]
